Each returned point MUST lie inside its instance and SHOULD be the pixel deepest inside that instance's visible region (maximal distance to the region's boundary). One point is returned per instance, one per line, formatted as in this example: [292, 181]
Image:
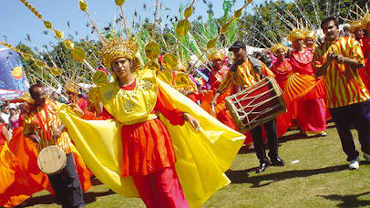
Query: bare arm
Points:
[34, 137]
[350, 61]
[5, 133]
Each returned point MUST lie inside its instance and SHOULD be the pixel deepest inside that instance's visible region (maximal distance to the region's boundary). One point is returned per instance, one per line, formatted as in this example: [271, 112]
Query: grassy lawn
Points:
[315, 175]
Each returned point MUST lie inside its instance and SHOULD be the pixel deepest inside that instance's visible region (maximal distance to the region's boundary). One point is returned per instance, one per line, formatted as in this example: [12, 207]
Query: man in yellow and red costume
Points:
[244, 73]
[338, 59]
[169, 162]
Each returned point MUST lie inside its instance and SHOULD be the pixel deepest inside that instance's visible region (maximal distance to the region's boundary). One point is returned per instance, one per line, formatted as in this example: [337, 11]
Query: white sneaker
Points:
[354, 164]
[366, 157]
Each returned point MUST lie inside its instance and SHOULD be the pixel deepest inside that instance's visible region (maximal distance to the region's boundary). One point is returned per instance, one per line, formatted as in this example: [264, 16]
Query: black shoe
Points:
[277, 161]
[263, 166]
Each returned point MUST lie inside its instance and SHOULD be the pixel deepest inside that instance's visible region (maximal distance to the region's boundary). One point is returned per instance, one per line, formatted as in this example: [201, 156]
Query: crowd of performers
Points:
[133, 133]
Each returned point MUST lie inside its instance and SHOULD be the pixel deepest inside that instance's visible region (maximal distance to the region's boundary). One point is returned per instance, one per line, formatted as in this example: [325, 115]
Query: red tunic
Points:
[282, 71]
[302, 63]
[311, 114]
[147, 146]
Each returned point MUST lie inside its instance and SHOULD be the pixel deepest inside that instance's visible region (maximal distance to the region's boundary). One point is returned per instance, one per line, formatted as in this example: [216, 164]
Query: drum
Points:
[257, 104]
[51, 160]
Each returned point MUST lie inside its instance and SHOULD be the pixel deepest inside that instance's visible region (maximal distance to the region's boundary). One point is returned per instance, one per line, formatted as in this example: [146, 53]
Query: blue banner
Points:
[13, 81]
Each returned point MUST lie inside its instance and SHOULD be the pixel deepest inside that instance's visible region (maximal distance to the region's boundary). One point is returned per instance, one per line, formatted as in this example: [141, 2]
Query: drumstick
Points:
[213, 109]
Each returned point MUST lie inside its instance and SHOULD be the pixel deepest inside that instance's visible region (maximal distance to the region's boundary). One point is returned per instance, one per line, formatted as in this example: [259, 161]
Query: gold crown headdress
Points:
[366, 19]
[358, 20]
[296, 35]
[278, 46]
[120, 48]
[356, 25]
[310, 34]
[217, 54]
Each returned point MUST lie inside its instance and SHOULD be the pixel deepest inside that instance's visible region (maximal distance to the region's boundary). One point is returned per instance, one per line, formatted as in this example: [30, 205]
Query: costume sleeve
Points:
[266, 71]
[356, 51]
[226, 83]
[164, 106]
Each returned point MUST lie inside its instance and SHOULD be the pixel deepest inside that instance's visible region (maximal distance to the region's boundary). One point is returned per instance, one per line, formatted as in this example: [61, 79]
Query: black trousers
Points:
[270, 129]
[358, 116]
[66, 185]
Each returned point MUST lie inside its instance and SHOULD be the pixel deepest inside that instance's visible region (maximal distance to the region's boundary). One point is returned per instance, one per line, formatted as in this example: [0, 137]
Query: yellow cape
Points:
[202, 157]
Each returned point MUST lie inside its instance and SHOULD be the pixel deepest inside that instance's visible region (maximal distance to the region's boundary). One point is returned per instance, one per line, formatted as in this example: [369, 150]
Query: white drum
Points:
[51, 160]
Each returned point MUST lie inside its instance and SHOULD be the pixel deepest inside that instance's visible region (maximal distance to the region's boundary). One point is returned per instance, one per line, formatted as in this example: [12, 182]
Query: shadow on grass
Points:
[348, 200]
[241, 176]
[295, 136]
[89, 197]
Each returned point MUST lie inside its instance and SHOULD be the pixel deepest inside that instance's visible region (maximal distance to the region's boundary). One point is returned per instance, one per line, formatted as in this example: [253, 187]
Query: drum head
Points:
[51, 159]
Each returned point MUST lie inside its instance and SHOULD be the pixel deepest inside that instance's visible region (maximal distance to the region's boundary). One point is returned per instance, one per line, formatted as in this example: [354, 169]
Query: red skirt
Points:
[147, 148]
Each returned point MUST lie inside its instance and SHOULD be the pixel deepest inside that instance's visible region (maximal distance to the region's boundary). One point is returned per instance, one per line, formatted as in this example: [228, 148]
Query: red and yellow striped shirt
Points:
[244, 76]
[344, 85]
[41, 121]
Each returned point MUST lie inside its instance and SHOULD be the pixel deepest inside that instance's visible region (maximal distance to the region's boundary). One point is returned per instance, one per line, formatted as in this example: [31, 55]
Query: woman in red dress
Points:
[311, 114]
[282, 69]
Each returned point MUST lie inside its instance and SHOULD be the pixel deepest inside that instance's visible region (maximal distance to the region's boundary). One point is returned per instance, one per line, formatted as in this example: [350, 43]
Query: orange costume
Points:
[311, 114]
[282, 70]
[151, 136]
[243, 77]
[20, 158]
[221, 112]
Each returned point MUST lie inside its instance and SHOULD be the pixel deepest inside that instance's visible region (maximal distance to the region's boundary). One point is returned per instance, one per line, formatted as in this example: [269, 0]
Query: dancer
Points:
[311, 115]
[143, 158]
[338, 60]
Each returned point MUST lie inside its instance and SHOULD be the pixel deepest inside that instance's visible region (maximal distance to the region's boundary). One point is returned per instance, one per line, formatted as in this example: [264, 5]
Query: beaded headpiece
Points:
[355, 25]
[296, 35]
[216, 55]
[278, 46]
[366, 19]
[120, 48]
[310, 34]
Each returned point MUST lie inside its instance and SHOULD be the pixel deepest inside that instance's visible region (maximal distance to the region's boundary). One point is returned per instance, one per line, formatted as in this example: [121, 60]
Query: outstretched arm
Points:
[175, 116]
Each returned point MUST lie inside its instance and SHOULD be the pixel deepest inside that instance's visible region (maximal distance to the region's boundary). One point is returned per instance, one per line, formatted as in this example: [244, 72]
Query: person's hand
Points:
[213, 105]
[194, 122]
[331, 57]
[57, 132]
[340, 59]
[35, 138]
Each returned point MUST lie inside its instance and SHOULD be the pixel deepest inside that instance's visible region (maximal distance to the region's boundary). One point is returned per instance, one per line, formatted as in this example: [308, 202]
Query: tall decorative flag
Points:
[13, 81]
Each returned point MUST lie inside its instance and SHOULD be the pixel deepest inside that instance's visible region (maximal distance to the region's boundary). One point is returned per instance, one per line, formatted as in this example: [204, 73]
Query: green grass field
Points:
[315, 175]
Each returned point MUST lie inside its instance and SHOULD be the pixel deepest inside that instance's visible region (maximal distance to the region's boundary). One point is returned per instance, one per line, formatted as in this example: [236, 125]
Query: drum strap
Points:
[257, 67]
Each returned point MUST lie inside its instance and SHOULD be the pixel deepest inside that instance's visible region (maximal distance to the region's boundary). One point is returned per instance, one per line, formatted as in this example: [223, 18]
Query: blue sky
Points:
[17, 20]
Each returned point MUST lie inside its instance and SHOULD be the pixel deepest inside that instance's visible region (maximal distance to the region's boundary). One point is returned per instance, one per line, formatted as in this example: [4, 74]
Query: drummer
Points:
[245, 72]
[43, 126]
